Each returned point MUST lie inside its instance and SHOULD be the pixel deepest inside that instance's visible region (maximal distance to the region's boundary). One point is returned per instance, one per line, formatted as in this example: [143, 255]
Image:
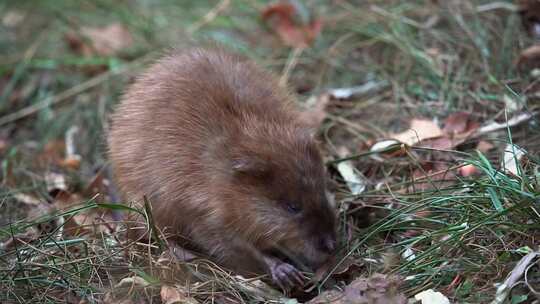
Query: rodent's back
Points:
[174, 121]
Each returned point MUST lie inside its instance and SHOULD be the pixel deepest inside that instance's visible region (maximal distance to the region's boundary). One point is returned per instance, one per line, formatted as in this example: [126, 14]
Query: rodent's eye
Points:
[293, 208]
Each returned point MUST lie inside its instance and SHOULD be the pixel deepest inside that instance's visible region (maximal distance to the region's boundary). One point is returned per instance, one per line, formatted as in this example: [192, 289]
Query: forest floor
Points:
[426, 112]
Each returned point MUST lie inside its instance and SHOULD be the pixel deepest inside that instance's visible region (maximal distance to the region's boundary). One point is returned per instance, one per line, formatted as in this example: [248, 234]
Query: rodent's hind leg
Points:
[285, 275]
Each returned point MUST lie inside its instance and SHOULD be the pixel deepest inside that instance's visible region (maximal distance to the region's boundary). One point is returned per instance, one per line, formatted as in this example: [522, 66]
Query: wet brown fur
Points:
[217, 147]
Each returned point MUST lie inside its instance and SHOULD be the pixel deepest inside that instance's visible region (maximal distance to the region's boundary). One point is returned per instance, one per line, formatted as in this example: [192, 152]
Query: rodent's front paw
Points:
[286, 276]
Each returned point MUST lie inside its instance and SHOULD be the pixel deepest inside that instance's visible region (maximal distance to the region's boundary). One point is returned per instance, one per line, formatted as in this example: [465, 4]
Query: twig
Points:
[504, 290]
[32, 109]
[211, 15]
[510, 123]
[291, 63]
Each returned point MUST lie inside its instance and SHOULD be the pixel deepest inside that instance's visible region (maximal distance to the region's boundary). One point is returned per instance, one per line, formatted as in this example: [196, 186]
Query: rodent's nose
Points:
[327, 244]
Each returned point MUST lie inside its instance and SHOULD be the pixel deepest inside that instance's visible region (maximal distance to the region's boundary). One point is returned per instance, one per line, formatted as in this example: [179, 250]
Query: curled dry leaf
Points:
[377, 289]
[468, 170]
[431, 297]
[458, 127]
[132, 281]
[389, 147]
[171, 295]
[56, 183]
[293, 32]
[420, 129]
[342, 268]
[356, 182]
[100, 41]
[72, 159]
[512, 159]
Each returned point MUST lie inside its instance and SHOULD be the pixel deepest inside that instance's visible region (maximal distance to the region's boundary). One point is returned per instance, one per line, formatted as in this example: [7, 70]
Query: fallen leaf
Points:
[458, 127]
[71, 162]
[133, 281]
[456, 123]
[484, 146]
[27, 199]
[53, 153]
[72, 159]
[390, 259]
[511, 159]
[512, 104]
[100, 41]
[329, 265]
[56, 183]
[345, 93]
[377, 289]
[171, 294]
[440, 143]
[431, 297]
[281, 17]
[408, 254]
[44, 215]
[419, 130]
[355, 181]
[12, 18]
[468, 170]
[386, 146]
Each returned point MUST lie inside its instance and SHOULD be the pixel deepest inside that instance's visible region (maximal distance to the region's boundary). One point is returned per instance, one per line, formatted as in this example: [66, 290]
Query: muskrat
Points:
[218, 148]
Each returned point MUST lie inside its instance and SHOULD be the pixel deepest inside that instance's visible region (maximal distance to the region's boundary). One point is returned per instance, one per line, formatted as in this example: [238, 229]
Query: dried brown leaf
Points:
[377, 289]
[100, 41]
[484, 146]
[420, 129]
[171, 295]
[468, 170]
[281, 17]
[456, 123]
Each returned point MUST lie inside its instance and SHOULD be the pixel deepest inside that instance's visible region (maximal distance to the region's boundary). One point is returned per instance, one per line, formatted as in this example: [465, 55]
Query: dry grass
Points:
[433, 57]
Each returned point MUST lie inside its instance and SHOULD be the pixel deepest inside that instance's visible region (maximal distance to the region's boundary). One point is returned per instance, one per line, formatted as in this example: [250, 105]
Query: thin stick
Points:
[45, 103]
[510, 123]
[211, 15]
[291, 63]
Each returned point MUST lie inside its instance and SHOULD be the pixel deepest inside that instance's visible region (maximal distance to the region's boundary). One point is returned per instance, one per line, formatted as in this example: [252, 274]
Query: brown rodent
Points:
[219, 150]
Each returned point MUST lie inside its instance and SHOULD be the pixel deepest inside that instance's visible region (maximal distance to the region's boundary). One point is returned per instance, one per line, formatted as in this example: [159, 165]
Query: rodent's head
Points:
[287, 209]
